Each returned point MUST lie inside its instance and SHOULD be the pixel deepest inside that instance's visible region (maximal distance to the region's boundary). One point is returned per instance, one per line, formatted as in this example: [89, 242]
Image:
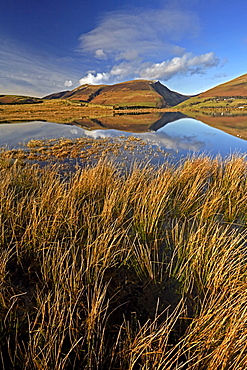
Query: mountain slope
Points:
[231, 94]
[136, 93]
[18, 99]
[83, 93]
[233, 88]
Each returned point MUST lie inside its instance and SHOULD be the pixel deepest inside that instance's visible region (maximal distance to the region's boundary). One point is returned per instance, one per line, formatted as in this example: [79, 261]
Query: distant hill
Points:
[136, 93]
[231, 94]
[234, 88]
[18, 99]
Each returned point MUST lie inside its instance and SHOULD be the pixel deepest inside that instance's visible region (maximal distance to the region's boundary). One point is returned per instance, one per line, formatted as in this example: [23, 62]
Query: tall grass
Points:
[106, 269]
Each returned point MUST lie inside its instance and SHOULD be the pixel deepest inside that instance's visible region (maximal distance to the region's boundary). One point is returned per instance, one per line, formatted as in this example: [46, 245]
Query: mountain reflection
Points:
[135, 123]
[165, 119]
[233, 124]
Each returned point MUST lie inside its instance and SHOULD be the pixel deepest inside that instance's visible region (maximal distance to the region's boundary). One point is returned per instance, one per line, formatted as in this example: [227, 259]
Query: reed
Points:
[112, 268]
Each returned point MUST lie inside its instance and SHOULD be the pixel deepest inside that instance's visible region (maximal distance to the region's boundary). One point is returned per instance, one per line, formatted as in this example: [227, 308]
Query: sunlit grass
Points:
[82, 149]
[143, 268]
[61, 111]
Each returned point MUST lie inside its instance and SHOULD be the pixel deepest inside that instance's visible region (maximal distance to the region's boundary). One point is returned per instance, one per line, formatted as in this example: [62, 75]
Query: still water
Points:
[179, 137]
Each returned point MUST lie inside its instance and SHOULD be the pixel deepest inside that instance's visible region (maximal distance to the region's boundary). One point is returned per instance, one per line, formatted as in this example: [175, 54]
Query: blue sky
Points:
[189, 45]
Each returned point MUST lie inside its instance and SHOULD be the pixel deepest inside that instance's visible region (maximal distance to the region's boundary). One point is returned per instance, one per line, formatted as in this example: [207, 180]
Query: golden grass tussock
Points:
[141, 268]
[82, 149]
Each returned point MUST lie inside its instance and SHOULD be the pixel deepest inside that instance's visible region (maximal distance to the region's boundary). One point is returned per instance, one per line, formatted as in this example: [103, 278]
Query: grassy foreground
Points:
[144, 269]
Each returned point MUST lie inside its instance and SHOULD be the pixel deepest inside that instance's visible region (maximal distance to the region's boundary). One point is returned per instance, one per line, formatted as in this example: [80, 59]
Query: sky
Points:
[190, 46]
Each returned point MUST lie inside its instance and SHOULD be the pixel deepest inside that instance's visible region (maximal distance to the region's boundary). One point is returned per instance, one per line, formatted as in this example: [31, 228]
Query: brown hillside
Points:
[236, 87]
[84, 93]
[130, 93]
[136, 93]
[17, 99]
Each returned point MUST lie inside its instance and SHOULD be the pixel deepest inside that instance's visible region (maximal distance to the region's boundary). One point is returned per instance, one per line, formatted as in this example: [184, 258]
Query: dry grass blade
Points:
[85, 256]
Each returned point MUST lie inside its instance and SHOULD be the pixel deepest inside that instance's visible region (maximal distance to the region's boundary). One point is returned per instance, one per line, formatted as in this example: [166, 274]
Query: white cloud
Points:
[207, 60]
[185, 64]
[94, 79]
[144, 44]
[100, 54]
[116, 74]
[128, 55]
[124, 69]
[68, 83]
[128, 35]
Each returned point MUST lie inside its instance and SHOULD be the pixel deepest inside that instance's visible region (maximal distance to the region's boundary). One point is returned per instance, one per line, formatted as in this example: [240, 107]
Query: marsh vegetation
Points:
[143, 268]
[61, 111]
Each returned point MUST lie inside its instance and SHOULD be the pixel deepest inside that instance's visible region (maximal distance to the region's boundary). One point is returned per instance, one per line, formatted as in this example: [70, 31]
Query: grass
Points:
[215, 104]
[81, 150]
[58, 110]
[124, 269]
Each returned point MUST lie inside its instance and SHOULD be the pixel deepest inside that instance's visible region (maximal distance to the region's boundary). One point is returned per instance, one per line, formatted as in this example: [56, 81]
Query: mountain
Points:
[136, 93]
[231, 94]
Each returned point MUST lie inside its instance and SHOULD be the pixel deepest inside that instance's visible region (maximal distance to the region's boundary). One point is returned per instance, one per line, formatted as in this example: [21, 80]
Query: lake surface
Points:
[179, 137]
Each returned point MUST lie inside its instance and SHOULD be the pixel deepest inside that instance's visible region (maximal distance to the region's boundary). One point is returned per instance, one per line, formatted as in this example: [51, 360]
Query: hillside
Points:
[234, 88]
[136, 93]
[84, 93]
[229, 95]
[18, 99]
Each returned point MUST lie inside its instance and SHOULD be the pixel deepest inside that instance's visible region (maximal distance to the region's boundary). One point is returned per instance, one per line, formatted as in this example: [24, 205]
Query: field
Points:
[110, 268]
[220, 104]
[60, 111]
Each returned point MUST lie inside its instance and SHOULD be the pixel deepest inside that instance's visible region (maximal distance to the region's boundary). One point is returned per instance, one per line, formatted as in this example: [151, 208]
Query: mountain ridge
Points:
[134, 93]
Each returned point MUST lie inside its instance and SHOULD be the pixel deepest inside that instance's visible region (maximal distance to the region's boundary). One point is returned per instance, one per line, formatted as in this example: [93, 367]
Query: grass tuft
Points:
[106, 268]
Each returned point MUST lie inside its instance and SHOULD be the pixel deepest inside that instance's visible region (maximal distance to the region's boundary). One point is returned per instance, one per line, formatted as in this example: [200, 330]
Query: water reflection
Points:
[135, 122]
[183, 136]
[173, 131]
[234, 124]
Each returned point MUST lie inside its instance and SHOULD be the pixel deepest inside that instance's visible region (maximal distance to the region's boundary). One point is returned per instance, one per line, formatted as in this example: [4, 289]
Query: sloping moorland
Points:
[230, 96]
[137, 93]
